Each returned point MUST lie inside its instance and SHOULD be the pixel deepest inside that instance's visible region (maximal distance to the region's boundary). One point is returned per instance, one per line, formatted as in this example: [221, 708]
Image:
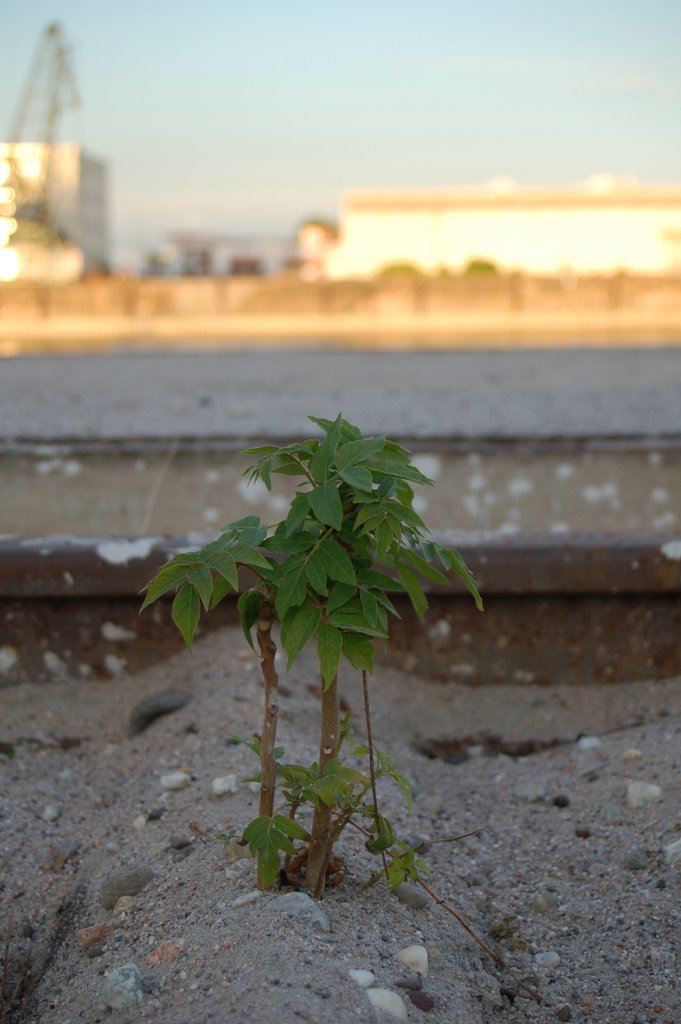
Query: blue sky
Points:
[249, 116]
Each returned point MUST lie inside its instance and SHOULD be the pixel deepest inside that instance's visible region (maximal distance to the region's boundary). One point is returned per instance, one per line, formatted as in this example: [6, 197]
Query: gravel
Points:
[546, 884]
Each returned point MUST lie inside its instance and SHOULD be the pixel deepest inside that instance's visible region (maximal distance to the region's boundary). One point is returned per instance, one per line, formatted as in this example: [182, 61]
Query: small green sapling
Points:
[351, 537]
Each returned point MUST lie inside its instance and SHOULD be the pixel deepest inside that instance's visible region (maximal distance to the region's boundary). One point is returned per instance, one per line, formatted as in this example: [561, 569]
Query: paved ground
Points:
[248, 394]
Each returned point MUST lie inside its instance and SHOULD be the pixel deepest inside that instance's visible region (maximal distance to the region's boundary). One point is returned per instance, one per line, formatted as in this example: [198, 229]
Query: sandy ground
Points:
[587, 879]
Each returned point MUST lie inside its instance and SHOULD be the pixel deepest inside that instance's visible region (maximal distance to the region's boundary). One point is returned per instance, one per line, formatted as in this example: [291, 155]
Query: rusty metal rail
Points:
[576, 609]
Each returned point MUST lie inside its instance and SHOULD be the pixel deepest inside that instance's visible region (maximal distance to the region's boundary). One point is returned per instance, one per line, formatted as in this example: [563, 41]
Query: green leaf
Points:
[225, 565]
[457, 564]
[348, 431]
[359, 651]
[378, 580]
[339, 595]
[325, 502]
[262, 449]
[300, 628]
[384, 838]
[352, 452]
[424, 568]
[316, 573]
[337, 561]
[357, 477]
[403, 471]
[369, 606]
[336, 781]
[248, 606]
[351, 617]
[414, 589]
[185, 613]
[267, 836]
[300, 506]
[292, 589]
[320, 463]
[201, 579]
[167, 578]
[247, 555]
[329, 646]
[221, 589]
[247, 523]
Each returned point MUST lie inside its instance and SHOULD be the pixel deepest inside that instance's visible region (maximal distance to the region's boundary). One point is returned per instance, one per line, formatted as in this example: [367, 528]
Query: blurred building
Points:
[54, 212]
[602, 226]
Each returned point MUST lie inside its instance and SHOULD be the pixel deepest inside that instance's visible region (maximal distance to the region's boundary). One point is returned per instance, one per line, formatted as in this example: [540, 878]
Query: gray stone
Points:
[302, 907]
[123, 883]
[563, 1012]
[543, 903]
[672, 852]
[636, 859]
[123, 988]
[641, 793]
[50, 812]
[547, 960]
[152, 707]
[531, 790]
[612, 813]
[412, 896]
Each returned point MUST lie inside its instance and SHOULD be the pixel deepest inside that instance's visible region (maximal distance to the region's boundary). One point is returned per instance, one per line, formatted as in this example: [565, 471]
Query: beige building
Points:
[54, 212]
[602, 226]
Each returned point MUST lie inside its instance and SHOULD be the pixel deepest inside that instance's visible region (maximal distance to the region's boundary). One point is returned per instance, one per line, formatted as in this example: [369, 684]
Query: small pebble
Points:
[303, 907]
[434, 804]
[415, 957]
[422, 1000]
[412, 895]
[179, 842]
[166, 952]
[672, 852]
[123, 988]
[641, 793]
[589, 743]
[582, 832]
[224, 784]
[547, 960]
[248, 897]
[390, 1002]
[563, 1012]
[140, 822]
[123, 883]
[532, 791]
[636, 859]
[123, 905]
[561, 800]
[362, 978]
[152, 707]
[95, 934]
[632, 754]
[50, 812]
[612, 813]
[543, 903]
[175, 780]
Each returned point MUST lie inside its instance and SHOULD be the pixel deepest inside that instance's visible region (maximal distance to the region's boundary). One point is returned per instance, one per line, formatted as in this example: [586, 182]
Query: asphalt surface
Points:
[241, 394]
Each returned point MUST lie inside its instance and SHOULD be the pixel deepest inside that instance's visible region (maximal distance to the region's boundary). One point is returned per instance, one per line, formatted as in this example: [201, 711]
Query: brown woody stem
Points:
[268, 764]
[322, 836]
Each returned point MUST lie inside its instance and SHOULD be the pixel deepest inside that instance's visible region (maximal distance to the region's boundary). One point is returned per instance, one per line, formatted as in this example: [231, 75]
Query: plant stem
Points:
[322, 834]
[268, 764]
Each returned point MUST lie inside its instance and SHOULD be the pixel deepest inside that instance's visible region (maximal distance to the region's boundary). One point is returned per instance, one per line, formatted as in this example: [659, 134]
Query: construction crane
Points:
[49, 90]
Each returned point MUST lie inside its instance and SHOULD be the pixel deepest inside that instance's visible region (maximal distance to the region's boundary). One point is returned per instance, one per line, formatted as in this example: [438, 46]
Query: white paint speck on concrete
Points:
[430, 465]
[114, 665]
[110, 631]
[564, 470]
[593, 493]
[659, 495]
[519, 486]
[672, 550]
[120, 552]
[8, 658]
[53, 663]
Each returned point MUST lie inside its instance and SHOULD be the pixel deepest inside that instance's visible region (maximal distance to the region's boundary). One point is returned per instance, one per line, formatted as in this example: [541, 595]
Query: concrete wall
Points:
[193, 297]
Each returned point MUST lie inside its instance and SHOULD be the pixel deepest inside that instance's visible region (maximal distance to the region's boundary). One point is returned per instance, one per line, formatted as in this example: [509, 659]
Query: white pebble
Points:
[640, 793]
[175, 780]
[632, 754]
[547, 960]
[139, 822]
[414, 957]
[672, 852]
[248, 897]
[384, 999]
[224, 784]
[362, 978]
[51, 812]
[589, 743]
